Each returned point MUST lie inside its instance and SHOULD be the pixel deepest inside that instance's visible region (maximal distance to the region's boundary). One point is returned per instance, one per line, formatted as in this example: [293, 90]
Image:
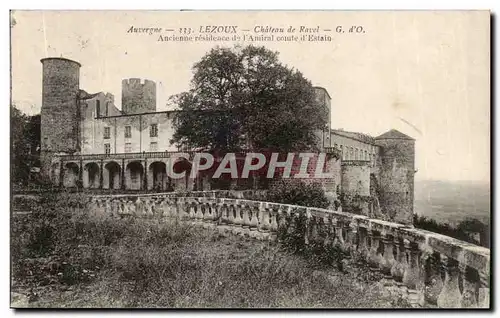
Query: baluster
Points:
[254, 222]
[313, 230]
[149, 208]
[224, 223]
[126, 207]
[328, 230]
[353, 236]
[231, 215]
[274, 215]
[450, 294]
[307, 238]
[245, 209]
[208, 214]
[223, 220]
[265, 223]
[484, 290]
[200, 207]
[215, 212]
[165, 208]
[373, 254]
[173, 209]
[434, 283]
[363, 245]
[182, 209]
[343, 227]
[132, 208]
[107, 207]
[412, 271]
[387, 261]
[469, 282]
[138, 208]
[192, 211]
[397, 269]
[336, 230]
[238, 221]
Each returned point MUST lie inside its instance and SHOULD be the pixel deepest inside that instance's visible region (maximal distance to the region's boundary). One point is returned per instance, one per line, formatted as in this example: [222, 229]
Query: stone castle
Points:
[88, 142]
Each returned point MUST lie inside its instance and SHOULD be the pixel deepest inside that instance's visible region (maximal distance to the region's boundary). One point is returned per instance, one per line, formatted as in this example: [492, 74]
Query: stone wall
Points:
[59, 112]
[93, 140]
[424, 268]
[396, 171]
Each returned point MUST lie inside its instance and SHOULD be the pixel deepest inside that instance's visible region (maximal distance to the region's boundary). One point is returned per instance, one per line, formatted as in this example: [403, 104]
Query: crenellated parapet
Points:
[138, 96]
[422, 267]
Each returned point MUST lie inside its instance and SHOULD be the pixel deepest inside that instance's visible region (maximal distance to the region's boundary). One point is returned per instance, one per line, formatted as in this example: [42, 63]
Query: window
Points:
[153, 130]
[128, 147]
[107, 132]
[153, 146]
[98, 108]
[128, 132]
[107, 148]
[107, 114]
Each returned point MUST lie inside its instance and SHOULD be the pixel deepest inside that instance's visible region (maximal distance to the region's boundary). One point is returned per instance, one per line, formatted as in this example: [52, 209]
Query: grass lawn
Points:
[75, 260]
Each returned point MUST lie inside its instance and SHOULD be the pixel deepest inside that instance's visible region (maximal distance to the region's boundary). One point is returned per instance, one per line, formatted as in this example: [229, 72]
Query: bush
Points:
[299, 193]
[317, 251]
[460, 232]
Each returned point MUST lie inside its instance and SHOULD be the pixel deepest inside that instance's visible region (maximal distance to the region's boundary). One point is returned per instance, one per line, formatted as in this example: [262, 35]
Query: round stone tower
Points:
[59, 113]
[396, 164]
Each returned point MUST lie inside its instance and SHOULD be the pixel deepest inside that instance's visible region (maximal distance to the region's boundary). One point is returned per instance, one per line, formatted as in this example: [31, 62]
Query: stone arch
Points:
[71, 172]
[157, 176]
[91, 176]
[186, 183]
[134, 176]
[111, 177]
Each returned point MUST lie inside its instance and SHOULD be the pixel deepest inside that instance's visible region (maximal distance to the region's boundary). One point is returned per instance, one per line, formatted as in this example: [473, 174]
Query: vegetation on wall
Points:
[463, 231]
[298, 193]
[25, 144]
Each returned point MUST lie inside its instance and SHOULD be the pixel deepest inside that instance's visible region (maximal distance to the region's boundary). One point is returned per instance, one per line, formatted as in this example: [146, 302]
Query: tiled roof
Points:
[394, 134]
[354, 135]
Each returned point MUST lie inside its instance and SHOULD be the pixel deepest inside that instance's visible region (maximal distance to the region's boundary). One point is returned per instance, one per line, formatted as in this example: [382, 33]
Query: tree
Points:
[25, 144]
[246, 98]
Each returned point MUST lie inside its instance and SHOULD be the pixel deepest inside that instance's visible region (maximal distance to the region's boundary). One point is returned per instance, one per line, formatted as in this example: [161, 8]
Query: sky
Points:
[426, 74]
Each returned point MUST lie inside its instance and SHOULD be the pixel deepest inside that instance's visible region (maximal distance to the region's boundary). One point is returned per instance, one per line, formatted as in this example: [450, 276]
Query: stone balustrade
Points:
[425, 268]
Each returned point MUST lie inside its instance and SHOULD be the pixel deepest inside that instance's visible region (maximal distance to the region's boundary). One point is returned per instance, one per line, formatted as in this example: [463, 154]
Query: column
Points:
[122, 172]
[61, 174]
[145, 175]
[80, 174]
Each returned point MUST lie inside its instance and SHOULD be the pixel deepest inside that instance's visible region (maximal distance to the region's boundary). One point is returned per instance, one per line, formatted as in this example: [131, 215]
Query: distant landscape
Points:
[452, 201]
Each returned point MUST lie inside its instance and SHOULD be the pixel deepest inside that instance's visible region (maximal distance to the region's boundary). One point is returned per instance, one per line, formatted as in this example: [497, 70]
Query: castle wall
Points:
[356, 178]
[324, 99]
[139, 140]
[138, 97]
[353, 149]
